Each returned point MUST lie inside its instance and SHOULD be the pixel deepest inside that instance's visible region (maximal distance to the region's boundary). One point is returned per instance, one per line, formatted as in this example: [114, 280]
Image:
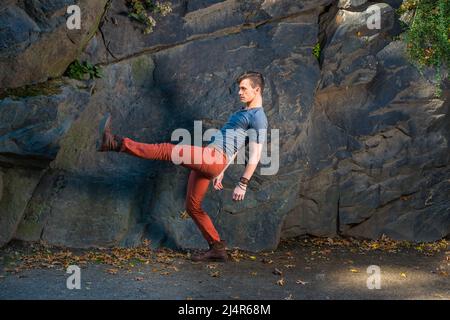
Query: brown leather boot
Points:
[109, 141]
[217, 252]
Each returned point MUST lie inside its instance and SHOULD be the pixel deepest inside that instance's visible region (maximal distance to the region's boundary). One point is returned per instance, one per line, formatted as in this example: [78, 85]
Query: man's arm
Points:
[257, 136]
[254, 157]
[229, 162]
[218, 180]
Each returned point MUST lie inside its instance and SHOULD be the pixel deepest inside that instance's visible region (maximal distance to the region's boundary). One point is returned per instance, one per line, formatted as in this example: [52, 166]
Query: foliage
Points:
[139, 11]
[77, 70]
[427, 33]
[316, 51]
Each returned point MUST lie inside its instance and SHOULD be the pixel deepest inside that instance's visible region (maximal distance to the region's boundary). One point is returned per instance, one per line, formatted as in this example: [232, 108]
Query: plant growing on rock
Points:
[79, 71]
[316, 51]
[139, 11]
[427, 33]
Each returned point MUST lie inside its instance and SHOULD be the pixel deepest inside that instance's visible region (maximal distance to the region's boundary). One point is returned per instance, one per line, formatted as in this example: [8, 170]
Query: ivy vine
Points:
[427, 34]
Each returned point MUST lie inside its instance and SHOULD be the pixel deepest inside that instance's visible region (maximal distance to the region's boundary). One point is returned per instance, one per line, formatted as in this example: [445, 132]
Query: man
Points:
[249, 121]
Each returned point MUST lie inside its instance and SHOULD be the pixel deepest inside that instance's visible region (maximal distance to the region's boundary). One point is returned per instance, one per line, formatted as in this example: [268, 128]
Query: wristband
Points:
[244, 180]
[240, 186]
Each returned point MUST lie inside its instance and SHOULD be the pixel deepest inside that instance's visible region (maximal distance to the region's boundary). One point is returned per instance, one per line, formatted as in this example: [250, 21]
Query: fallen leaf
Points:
[174, 268]
[267, 261]
[280, 282]
[277, 272]
[112, 271]
[184, 215]
[215, 274]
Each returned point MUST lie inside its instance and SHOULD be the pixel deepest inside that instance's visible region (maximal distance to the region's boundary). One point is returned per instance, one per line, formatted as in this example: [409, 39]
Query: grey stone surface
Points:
[17, 189]
[33, 126]
[364, 143]
[390, 141]
[345, 4]
[35, 43]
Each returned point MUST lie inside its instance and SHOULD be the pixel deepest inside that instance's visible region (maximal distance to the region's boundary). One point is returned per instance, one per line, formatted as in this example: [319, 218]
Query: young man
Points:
[249, 121]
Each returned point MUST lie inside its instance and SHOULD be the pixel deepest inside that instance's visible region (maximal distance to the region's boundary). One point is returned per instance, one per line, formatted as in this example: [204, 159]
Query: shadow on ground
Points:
[301, 268]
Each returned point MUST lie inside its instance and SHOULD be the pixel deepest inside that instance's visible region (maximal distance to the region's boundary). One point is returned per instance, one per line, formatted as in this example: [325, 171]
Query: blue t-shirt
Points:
[251, 123]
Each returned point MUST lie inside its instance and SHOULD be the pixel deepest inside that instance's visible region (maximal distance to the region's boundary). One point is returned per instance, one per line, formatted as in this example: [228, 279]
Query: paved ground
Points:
[303, 268]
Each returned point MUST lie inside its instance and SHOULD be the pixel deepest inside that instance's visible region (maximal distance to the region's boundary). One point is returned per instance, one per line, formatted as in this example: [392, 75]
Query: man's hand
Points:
[238, 194]
[217, 182]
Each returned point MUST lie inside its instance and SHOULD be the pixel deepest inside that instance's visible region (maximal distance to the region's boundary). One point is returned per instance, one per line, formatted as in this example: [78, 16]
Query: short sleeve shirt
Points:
[251, 123]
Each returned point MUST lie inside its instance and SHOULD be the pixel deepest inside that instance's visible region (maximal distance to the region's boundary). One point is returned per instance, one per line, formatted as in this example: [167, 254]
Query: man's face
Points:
[246, 92]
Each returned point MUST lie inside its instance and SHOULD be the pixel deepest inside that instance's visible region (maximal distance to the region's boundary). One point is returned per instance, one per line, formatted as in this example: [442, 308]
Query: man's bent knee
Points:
[193, 209]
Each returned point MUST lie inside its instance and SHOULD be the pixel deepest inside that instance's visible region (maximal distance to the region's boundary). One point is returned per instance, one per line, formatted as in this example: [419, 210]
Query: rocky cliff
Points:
[364, 142]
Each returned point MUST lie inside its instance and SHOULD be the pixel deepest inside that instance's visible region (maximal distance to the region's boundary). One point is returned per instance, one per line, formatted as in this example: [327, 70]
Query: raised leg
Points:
[207, 161]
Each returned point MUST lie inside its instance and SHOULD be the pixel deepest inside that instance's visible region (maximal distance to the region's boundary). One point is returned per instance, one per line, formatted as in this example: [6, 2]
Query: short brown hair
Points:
[255, 78]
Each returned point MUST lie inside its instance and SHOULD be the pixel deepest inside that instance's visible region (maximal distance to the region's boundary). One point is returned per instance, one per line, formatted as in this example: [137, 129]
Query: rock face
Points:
[378, 140]
[35, 43]
[363, 141]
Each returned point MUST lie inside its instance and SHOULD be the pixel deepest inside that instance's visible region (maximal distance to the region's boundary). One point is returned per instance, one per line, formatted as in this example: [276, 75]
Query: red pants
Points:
[205, 163]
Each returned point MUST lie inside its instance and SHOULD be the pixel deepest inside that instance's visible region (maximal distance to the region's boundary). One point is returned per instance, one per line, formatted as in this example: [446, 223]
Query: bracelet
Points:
[244, 180]
[240, 186]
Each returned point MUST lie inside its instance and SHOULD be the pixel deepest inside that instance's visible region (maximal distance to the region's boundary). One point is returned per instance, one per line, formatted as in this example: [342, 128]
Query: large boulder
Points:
[35, 43]
[190, 21]
[17, 187]
[91, 198]
[30, 134]
[31, 127]
[386, 138]
[363, 142]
